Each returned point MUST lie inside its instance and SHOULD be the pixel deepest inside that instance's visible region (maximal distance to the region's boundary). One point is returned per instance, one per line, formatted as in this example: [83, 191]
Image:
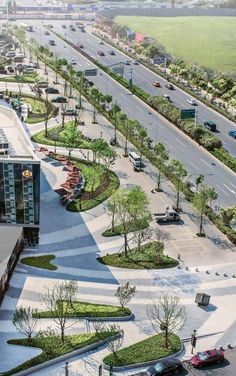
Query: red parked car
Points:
[207, 358]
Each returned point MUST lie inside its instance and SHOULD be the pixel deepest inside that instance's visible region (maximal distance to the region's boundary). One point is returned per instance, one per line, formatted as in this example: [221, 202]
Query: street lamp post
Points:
[193, 340]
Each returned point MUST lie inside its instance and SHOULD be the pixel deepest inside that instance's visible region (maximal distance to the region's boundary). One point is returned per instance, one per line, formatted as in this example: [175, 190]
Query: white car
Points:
[135, 62]
[73, 62]
[126, 62]
[192, 101]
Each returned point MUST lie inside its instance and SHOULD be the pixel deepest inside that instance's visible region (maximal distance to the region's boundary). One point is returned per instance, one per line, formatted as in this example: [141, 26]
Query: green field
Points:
[207, 41]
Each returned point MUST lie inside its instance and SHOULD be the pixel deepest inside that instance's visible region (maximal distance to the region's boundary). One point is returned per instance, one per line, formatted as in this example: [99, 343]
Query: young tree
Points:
[199, 180]
[54, 135]
[24, 322]
[162, 156]
[131, 207]
[200, 201]
[213, 195]
[228, 214]
[140, 236]
[179, 173]
[166, 314]
[111, 210]
[71, 137]
[160, 237]
[114, 344]
[114, 111]
[125, 293]
[59, 300]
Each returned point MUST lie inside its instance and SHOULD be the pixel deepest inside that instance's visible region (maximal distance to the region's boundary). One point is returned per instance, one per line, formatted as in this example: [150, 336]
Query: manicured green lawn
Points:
[42, 262]
[207, 41]
[41, 139]
[117, 229]
[145, 258]
[53, 348]
[26, 78]
[150, 349]
[84, 309]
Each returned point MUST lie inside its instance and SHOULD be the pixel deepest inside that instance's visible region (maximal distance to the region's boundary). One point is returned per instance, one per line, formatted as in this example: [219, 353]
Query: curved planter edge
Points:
[89, 318]
[145, 364]
[61, 358]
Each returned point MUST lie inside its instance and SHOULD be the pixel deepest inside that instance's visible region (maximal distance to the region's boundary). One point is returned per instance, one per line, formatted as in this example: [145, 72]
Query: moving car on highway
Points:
[206, 358]
[111, 52]
[170, 86]
[101, 53]
[52, 42]
[72, 61]
[210, 125]
[46, 32]
[156, 84]
[192, 101]
[166, 367]
[232, 134]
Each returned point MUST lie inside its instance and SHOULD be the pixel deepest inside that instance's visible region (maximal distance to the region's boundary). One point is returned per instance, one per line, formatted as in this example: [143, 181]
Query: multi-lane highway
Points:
[143, 78]
[195, 158]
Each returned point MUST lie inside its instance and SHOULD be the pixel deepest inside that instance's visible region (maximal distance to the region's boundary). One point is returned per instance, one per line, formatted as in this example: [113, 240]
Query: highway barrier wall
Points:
[167, 12]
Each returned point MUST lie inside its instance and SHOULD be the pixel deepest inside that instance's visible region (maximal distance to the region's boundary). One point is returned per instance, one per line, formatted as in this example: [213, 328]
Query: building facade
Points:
[19, 175]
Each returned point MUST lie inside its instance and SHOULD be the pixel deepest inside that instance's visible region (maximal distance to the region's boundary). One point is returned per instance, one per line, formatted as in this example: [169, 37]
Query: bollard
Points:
[225, 274]
[100, 370]
[197, 270]
[217, 273]
[207, 272]
[186, 268]
[233, 275]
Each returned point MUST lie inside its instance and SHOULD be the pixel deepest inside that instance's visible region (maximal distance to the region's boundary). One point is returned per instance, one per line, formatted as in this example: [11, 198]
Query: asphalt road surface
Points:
[195, 158]
[143, 78]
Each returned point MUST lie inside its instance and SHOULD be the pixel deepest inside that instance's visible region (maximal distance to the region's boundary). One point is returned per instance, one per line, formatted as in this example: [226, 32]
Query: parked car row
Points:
[173, 366]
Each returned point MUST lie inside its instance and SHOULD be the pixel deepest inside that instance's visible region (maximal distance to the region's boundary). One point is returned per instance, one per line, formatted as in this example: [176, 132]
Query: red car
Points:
[208, 357]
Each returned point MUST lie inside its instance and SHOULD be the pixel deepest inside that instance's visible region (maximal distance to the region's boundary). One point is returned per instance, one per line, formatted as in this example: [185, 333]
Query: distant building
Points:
[19, 176]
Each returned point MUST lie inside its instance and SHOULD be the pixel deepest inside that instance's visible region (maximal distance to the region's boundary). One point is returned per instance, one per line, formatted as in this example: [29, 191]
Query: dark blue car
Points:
[232, 134]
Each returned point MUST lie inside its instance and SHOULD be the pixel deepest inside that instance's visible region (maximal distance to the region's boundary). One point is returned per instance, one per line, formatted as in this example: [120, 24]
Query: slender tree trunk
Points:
[159, 180]
[126, 245]
[201, 223]
[166, 339]
[113, 222]
[62, 334]
[177, 198]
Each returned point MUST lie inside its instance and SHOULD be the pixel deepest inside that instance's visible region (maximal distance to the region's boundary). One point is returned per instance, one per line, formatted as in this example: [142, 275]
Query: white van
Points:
[135, 159]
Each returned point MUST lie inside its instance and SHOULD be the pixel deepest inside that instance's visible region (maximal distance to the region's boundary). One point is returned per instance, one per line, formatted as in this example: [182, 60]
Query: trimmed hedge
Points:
[42, 262]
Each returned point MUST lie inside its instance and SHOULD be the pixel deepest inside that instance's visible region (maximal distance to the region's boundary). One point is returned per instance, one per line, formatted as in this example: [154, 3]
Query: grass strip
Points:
[42, 262]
